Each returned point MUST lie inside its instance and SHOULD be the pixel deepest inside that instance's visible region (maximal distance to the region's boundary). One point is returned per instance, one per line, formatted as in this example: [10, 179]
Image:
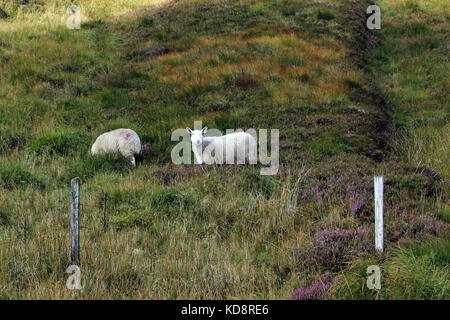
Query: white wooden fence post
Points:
[378, 187]
[75, 221]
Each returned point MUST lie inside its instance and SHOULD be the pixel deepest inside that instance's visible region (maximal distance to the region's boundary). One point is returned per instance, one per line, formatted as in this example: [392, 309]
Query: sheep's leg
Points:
[131, 159]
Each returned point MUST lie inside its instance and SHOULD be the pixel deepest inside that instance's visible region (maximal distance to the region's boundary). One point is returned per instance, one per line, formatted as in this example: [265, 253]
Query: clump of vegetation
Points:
[316, 291]
[418, 271]
[330, 248]
[171, 174]
[4, 218]
[324, 14]
[63, 142]
[253, 181]
[132, 219]
[11, 140]
[4, 214]
[16, 176]
[166, 201]
[89, 166]
[171, 201]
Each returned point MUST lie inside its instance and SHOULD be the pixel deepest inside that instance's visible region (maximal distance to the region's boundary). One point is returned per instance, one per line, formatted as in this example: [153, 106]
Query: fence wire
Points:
[98, 220]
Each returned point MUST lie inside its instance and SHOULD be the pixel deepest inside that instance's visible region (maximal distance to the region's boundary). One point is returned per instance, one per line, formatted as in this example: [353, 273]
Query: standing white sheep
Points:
[123, 141]
[239, 147]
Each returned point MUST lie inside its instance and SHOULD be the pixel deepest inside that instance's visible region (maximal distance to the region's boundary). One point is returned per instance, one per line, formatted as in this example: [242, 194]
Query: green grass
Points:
[11, 140]
[60, 142]
[414, 79]
[15, 176]
[215, 232]
[419, 271]
[411, 67]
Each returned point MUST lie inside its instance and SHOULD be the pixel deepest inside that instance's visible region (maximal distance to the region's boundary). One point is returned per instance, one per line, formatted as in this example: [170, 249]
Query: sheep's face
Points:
[197, 135]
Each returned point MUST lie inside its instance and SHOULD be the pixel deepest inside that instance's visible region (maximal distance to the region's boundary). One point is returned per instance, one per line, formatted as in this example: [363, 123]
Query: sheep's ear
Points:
[189, 130]
[204, 129]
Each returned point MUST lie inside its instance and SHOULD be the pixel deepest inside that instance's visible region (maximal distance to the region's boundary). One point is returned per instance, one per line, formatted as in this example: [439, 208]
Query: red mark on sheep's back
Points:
[127, 136]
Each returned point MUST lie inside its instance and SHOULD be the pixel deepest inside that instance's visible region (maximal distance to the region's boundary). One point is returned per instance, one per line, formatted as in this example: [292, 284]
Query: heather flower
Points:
[331, 247]
[328, 236]
[317, 290]
[340, 184]
[415, 226]
[358, 203]
[422, 225]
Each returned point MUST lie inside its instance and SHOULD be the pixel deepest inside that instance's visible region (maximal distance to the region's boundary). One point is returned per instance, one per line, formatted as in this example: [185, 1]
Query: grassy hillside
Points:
[347, 104]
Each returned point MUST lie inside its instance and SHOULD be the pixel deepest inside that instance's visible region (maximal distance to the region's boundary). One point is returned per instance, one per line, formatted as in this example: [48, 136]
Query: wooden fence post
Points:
[378, 187]
[75, 221]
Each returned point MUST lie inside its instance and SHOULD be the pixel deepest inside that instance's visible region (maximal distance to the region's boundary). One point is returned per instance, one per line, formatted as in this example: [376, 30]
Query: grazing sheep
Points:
[237, 147]
[123, 141]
